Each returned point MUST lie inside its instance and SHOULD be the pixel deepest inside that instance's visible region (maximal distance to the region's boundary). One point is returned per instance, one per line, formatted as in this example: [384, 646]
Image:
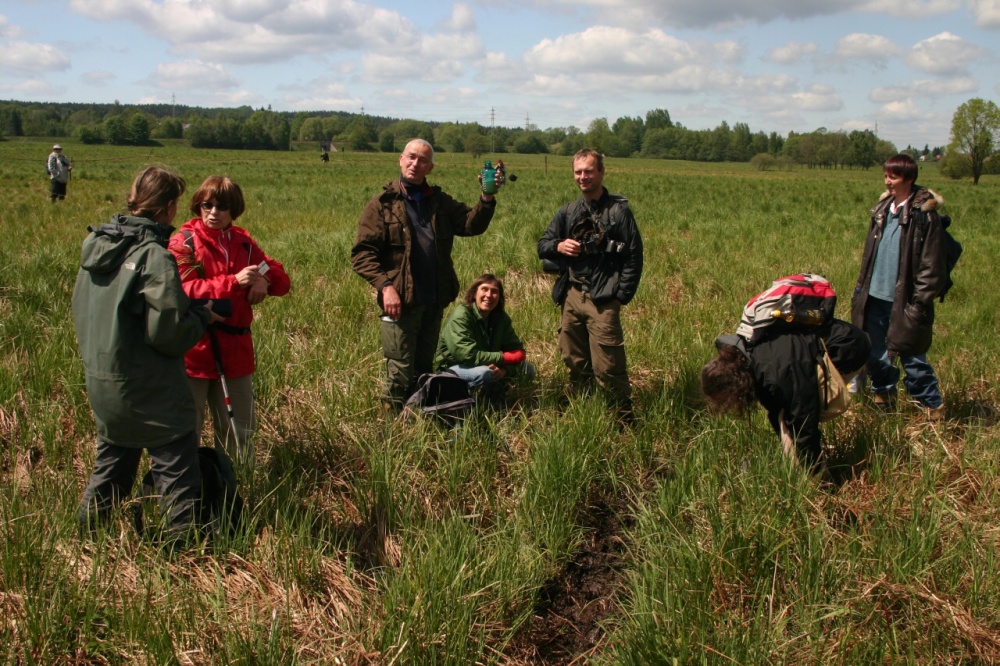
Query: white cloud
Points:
[7, 30]
[610, 50]
[455, 47]
[497, 67]
[817, 97]
[944, 53]
[901, 110]
[730, 51]
[605, 58]
[961, 85]
[791, 53]
[852, 124]
[235, 98]
[248, 11]
[98, 78]
[864, 46]
[24, 57]
[192, 75]
[461, 19]
[380, 68]
[438, 57]
[321, 93]
[985, 12]
[256, 31]
[36, 87]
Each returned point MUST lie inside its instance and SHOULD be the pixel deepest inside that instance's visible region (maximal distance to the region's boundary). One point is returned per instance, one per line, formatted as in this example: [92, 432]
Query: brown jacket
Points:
[922, 272]
[381, 252]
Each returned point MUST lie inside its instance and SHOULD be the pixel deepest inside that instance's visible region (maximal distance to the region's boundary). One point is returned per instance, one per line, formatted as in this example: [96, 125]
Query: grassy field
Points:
[542, 535]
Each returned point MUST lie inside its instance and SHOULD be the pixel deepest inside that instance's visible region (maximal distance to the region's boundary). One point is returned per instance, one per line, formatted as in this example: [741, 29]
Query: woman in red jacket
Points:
[219, 260]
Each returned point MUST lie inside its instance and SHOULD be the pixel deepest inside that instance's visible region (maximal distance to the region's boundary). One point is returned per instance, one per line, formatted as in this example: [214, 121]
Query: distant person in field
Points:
[596, 243]
[478, 342]
[403, 249]
[133, 325]
[59, 169]
[219, 260]
[902, 271]
[780, 371]
[325, 156]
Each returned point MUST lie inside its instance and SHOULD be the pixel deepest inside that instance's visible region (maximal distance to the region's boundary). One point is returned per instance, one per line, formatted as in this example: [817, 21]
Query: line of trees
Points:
[972, 152]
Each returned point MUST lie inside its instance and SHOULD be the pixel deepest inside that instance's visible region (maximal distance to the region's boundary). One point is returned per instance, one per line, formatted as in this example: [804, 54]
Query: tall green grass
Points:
[375, 541]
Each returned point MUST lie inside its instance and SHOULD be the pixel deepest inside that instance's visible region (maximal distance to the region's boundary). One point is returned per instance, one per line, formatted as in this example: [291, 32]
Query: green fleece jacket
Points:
[133, 325]
[469, 340]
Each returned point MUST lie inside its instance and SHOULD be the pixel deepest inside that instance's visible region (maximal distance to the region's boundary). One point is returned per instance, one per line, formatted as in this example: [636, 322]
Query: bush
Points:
[763, 162]
[992, 165]
[90, 134]
[955, 166]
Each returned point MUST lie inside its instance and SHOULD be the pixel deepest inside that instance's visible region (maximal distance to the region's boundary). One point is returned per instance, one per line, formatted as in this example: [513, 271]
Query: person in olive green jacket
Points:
[478, 342]
[133, 325]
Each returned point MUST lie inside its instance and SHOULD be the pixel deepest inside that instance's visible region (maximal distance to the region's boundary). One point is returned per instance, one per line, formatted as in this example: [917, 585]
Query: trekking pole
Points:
[222, 380]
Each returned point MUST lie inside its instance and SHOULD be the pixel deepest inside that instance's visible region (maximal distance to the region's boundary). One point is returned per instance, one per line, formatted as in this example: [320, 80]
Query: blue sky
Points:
[901, 66]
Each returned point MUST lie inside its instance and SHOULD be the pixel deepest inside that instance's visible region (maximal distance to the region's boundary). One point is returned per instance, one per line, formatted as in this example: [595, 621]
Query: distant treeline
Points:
[655, 136]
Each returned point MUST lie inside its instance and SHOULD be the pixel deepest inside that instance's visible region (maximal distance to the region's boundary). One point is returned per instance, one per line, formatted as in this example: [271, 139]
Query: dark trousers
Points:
[409, 345]
[58, 190]
[919, 379]
[176, 477]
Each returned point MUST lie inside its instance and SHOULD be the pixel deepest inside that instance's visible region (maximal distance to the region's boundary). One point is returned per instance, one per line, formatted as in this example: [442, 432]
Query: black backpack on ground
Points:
[441, 394]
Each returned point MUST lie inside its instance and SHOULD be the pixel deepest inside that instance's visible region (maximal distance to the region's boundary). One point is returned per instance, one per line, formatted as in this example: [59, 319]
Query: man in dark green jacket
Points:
[133, 325]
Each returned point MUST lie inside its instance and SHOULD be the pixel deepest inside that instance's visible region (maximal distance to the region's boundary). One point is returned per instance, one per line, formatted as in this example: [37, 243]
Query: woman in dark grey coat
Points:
[133, 325]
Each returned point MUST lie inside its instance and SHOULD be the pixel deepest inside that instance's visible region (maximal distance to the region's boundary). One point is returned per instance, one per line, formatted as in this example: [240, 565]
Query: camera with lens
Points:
[590, 243]
[589, 234]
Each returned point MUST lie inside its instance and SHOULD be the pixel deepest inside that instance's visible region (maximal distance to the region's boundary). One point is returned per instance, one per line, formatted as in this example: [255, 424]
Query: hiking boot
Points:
[625, 418]
[885, 402]
[934, 414]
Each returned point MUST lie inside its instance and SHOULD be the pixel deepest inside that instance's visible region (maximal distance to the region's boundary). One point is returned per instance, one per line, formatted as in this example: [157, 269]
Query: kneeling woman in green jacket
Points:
[478, 342]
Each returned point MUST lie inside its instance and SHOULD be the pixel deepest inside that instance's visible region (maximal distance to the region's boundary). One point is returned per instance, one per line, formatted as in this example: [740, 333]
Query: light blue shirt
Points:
[886, 269]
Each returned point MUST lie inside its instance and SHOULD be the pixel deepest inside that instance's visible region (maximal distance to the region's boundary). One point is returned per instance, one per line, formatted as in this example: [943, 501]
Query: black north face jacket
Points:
[615, 266]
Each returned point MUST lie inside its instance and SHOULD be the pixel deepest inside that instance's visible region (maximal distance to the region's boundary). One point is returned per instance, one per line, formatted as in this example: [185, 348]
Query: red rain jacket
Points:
[211, 273]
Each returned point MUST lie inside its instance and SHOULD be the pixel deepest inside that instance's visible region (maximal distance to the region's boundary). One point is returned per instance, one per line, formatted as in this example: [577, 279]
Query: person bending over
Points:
[780, 371]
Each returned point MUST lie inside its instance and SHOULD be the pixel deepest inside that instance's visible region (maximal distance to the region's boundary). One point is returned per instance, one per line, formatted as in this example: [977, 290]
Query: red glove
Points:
[514, 357]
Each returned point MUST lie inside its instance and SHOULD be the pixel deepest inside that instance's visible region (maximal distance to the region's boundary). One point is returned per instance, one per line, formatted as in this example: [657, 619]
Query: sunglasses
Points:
[208, 205]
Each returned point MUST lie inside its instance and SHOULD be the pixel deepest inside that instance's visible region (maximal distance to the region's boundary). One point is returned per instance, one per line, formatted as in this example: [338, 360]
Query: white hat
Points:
[57, 147]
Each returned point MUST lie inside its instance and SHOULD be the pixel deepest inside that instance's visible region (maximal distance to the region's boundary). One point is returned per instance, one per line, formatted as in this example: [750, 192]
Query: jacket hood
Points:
[925, 198]
[106, 248]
